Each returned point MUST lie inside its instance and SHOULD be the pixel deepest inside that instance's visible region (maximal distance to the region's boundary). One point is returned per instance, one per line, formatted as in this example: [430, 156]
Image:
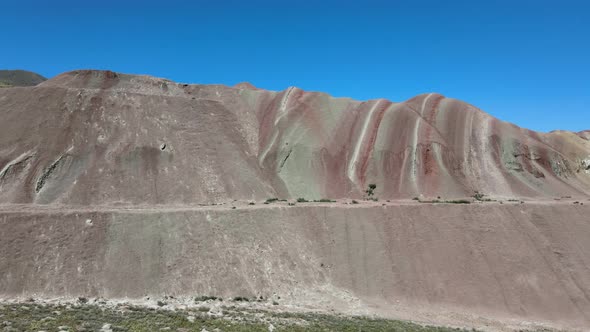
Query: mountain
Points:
[99, 137]
[19, 78]
[135, 188]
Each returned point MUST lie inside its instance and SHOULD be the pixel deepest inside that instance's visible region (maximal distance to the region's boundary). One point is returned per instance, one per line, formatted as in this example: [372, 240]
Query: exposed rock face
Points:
[98, 137]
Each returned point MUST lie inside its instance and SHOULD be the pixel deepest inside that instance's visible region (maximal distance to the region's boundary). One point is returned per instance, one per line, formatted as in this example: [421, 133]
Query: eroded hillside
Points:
[98, 137]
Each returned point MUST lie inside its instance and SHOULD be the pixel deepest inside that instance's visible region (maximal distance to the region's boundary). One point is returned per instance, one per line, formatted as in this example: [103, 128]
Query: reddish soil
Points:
[123, 186]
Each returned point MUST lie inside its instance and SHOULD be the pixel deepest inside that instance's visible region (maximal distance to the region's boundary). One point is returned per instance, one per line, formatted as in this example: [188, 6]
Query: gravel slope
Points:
[477, 265]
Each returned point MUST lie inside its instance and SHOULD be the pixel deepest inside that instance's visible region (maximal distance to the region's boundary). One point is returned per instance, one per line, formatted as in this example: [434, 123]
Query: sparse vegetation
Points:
[241, 299]
[354, 201]
[371, 190]
[429, 201]
[516, 201]
[481, 197]
[324, 200]
[129, 318]
[251, 203]
[302, 200]
[458, 201]
[271, 200]
[204, 298]
[452, 201]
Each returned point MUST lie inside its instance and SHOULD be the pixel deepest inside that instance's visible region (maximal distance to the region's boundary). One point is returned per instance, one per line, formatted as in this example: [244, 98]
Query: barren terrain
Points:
[131, 189]
[485, 265]
[97, 137]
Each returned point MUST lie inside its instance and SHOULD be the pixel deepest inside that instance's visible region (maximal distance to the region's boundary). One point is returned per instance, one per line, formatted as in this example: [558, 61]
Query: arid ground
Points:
[130, 189]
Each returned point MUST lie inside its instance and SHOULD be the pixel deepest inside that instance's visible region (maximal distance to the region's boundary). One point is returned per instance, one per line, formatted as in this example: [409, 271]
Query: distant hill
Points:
[19, 78]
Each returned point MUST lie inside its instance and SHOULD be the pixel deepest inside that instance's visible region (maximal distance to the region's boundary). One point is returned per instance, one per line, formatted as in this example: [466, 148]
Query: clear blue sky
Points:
[527, 62]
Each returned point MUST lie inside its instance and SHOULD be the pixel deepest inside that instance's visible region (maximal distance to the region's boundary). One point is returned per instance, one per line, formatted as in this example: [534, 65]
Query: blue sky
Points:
[527, 62]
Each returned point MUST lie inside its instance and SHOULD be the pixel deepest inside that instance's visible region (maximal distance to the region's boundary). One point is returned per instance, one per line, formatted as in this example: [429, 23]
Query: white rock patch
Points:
[106, 328]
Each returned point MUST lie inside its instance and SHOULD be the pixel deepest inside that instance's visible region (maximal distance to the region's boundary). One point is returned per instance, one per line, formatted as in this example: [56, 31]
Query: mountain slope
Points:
[98, 137]
[19, 78]
[496, 267]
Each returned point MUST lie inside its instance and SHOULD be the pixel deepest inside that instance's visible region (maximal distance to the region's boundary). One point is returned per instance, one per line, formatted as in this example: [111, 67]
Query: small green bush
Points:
[371, 190]
[354, 201]
[271, 200]
[431, 201]
[204, 298]
[458, 201]
[302, 200]
[324, 200]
